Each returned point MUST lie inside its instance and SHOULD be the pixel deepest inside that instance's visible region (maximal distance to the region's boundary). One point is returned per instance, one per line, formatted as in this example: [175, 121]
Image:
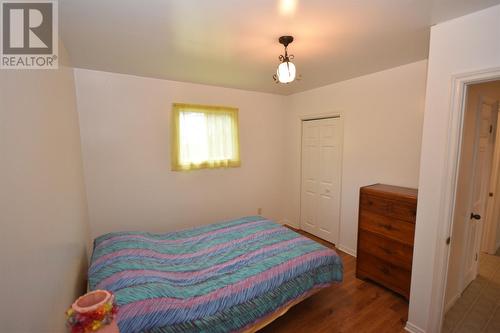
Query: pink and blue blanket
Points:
[219, 278]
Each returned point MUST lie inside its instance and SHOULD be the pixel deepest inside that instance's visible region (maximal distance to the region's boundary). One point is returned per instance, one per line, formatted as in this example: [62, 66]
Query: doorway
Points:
[320, 179]
[473, 274]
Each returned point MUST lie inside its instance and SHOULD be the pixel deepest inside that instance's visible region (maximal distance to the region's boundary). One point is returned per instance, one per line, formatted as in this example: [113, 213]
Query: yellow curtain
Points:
[204, 137]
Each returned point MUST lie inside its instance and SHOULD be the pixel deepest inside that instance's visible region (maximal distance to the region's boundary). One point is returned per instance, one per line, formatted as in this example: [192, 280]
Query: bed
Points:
[234, 276]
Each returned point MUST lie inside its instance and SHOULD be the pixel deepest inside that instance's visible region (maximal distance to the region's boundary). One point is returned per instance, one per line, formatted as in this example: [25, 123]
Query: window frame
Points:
[177, 109]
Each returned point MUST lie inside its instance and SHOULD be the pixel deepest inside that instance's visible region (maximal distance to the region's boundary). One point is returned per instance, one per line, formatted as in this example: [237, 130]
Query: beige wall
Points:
[459, 46]
[490, 90]
[125, 128]
[125, 136]
[42, 200]
[383, 114]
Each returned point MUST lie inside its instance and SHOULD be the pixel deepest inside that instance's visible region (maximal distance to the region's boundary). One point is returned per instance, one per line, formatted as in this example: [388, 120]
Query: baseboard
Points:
[413, 328]
[291, 227]
[288, 223]
[340, 247]
[452, 302]
[346, 250]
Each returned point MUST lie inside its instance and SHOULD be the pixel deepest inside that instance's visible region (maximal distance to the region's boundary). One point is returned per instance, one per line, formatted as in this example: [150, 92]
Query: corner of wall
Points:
[413, 328]
[65, 60]
[347, 250]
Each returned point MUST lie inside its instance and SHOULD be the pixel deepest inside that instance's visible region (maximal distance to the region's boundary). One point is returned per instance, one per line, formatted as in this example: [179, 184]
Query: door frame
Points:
[460, 82]
[321, 116]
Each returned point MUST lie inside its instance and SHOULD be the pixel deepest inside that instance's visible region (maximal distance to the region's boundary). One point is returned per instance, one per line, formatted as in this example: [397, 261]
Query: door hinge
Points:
[448, 241]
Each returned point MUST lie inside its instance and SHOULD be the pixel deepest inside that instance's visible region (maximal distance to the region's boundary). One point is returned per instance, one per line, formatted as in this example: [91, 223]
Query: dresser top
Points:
[391, 190]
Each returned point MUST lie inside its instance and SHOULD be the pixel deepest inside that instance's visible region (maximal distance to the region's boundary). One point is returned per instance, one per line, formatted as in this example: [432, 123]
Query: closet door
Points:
[321, 172]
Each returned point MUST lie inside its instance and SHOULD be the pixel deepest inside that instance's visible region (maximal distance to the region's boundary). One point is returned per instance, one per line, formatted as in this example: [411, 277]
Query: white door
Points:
[483, 154]
[488, 241]
[321, 172]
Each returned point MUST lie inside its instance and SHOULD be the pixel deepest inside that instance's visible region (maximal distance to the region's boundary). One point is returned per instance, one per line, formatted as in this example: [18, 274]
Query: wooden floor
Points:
[351, 306]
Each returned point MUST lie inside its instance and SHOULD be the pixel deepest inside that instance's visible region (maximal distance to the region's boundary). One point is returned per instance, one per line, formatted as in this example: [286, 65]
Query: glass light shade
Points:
[286, 72]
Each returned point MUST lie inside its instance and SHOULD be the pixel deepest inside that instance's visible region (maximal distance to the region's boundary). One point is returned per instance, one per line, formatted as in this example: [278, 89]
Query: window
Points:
[204, 137]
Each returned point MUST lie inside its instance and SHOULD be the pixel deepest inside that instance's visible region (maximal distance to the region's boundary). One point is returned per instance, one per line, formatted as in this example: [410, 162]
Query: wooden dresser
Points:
[385, 236]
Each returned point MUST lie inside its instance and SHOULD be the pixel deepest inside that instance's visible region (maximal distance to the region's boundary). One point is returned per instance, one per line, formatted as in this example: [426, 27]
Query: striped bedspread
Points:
[223, 277]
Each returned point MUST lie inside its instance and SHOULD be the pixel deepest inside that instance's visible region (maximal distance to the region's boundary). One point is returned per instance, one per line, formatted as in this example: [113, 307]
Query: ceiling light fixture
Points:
[287, 7]
[286, 70]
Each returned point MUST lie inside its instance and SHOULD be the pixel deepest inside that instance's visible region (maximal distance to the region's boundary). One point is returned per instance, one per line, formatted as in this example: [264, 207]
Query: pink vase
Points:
[91, 302]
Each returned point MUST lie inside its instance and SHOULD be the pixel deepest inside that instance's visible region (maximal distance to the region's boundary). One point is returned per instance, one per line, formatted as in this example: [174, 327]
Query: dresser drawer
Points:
[393, 208]
[393, 277]
[399, 230]
[391, 251]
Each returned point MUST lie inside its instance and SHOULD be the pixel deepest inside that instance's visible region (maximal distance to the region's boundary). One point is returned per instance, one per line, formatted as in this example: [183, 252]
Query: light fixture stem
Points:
[286, 70]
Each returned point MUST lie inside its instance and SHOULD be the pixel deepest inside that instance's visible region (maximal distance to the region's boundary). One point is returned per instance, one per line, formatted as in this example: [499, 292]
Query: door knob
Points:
[475, 216]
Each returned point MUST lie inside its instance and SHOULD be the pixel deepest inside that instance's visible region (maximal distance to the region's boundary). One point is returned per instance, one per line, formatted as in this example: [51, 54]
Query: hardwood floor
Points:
[351, 306]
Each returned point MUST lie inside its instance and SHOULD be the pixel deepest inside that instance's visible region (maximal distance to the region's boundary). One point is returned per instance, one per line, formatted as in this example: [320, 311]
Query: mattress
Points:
[225, 277]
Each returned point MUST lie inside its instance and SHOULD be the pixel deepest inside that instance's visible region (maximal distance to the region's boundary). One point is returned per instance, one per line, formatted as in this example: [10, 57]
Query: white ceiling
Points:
[233, 43]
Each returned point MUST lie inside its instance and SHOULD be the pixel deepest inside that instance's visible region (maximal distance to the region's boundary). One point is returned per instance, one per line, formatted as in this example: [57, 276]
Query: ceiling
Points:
[233, 43]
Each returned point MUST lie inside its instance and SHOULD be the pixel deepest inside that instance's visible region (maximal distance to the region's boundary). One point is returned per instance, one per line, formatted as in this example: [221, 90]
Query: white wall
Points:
[458, 46]
[383, 114]
[42, 200]
[125, 128]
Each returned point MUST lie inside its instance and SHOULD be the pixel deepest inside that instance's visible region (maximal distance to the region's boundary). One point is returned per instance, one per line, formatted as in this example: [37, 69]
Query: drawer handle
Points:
[387, 251]
[386, 226]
